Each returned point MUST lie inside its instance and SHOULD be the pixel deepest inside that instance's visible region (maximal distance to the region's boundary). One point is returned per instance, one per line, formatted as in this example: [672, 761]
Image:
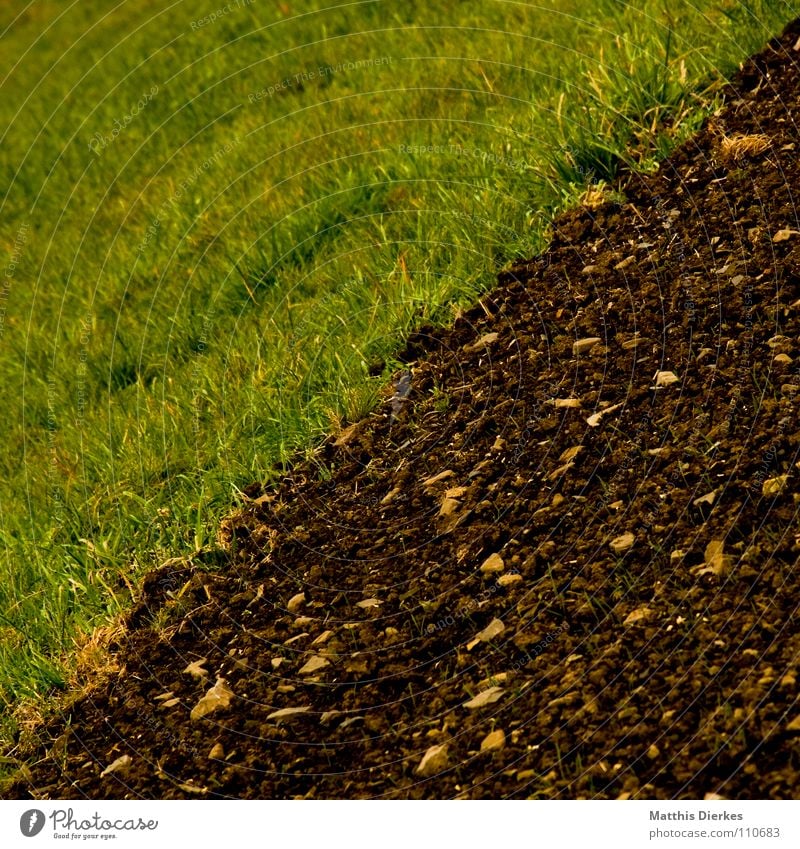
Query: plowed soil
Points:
[569, 566]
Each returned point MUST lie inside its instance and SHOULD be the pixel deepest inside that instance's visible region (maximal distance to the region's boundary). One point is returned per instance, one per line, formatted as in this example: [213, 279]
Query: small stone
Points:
[709, 498]
[495, 680]
[433, 761]
[716, 561]
[296, 602]
[595, 419]
[287, 713]
[322, 638]
[195, 669]
[653, 752]
[368, 603]
[494, 742]
[509, 579]
[487, 697]
[774, 486]
[219, 696]
[639, 615]
[484, 342]
[328, 716]
[634, 343]
[492, 564]
[313, 665]
[570, 453]
[622, 543]
[783, 358]
[119, 765]
[449, 506]
[492, 630]
[447, 473]
[666, 378]
[567, 403]
[623, 264]
[583, 346]
[714, 797]
[390, 496]
[785, 235]
[794, 726]
[499, 444]
[217, 752]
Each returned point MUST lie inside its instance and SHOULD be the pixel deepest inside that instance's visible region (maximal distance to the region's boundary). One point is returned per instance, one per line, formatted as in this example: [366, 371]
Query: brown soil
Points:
[636, 538]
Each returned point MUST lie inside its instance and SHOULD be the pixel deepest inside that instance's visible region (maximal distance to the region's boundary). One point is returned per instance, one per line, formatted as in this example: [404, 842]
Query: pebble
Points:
[433, 761]
[287, 713]
[219, 696]
[296, 602]
[582, 346]
[494, 742]
[313, 665]
[492, 630]
[666, 378]
[449, 507]
[622, 542]
[570, 453]
[492, 564]
[217, 752]
[709, 498]
[487, 697]
[121, 763]
[390, 496]
[774, 486]
[639, 615]
[509, 578]
[483, 342]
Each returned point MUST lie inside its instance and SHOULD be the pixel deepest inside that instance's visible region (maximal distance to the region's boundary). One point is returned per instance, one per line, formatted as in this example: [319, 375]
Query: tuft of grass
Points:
[736, 148]
[215, 224]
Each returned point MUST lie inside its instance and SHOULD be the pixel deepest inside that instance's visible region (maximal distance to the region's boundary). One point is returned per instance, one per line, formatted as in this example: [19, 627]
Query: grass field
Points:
[216, 217]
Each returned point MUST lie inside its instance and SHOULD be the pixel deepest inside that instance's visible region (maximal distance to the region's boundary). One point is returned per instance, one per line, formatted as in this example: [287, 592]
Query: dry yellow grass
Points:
[740, 147]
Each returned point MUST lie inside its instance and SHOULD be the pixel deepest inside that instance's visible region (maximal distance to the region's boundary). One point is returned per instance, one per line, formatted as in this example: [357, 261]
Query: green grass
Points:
[192, 293]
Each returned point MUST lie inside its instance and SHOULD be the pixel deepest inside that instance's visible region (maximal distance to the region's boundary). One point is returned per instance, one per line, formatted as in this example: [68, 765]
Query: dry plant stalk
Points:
[740, 147]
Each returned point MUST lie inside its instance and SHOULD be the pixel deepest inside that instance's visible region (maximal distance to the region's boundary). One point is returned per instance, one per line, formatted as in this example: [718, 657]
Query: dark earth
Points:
[544, 568]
